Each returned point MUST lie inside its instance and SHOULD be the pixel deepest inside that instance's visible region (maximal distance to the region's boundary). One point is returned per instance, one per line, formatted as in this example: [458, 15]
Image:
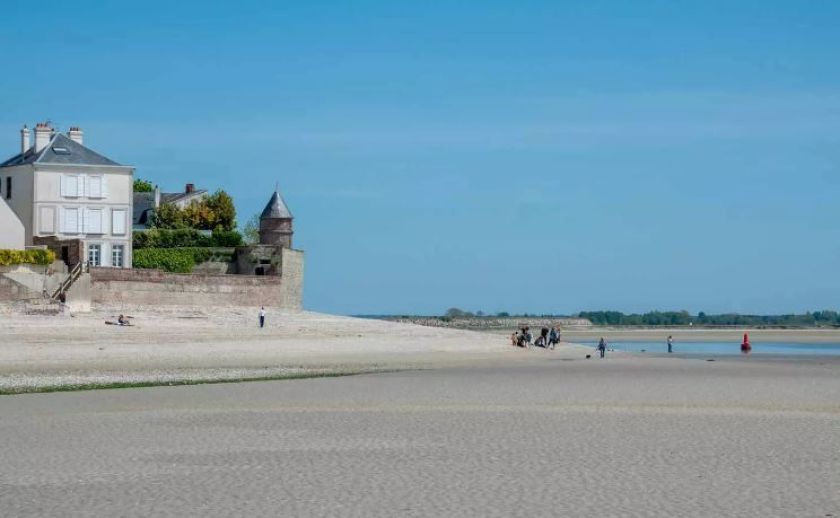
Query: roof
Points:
[73, 154]
[173, 197]
[276, 208]
[144, 204]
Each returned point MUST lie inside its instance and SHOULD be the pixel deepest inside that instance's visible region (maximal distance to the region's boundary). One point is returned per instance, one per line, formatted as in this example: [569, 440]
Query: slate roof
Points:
[172, 197]
[144, 204]
[276, 208]
[76, 154]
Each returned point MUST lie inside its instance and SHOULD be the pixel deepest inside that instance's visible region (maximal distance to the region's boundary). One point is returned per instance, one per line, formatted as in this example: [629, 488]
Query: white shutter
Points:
[118, 222]
[103, 185]
[61, 226]
[71, 221]
[80, 185]
[63, 190]
[96, 221]
[94, 186]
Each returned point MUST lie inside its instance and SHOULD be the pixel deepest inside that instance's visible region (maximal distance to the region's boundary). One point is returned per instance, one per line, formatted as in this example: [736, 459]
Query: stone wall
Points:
[292, 286]
[154, 288]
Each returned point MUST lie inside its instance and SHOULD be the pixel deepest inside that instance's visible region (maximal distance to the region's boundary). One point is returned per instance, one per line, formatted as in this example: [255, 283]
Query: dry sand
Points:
[169, 345]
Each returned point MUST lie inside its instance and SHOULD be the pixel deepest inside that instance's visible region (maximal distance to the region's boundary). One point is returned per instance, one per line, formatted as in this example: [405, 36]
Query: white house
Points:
[12, 235]
[58, 187]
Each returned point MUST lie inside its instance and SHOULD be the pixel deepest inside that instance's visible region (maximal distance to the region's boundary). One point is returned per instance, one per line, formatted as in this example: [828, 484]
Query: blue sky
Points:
[497, 156]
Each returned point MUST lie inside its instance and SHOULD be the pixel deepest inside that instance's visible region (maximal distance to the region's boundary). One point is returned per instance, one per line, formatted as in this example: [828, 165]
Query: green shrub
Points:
[178, 260]
[185, 237]
[35, 256]
[226, 238]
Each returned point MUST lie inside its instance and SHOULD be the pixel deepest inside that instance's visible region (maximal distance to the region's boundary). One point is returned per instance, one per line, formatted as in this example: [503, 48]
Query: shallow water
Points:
[725, 348]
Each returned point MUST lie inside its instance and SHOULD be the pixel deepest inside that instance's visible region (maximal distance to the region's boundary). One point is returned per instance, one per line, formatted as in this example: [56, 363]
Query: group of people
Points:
[547, 339]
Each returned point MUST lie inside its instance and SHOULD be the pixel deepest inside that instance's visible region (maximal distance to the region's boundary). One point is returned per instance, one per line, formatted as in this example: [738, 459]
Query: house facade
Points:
[12, 235]
[62, 189]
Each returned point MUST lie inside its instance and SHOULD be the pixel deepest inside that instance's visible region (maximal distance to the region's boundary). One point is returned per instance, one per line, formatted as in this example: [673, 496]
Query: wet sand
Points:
[683, 334]
[535, 436]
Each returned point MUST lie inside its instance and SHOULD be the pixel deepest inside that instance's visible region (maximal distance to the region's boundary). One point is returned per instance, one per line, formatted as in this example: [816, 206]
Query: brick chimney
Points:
[43, 133]
[76, 134]
[24, 139]
[189, 188]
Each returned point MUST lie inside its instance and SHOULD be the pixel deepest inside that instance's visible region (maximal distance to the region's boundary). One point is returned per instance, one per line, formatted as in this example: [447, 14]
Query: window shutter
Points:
[85, 221]
[80, 185]
[118, 222]
[94, 186]
[61, 227]
[63, 190]
[103, 186]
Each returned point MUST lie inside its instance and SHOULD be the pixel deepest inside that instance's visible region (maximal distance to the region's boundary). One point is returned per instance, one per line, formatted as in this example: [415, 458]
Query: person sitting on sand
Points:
[121, 320]
[514, 339]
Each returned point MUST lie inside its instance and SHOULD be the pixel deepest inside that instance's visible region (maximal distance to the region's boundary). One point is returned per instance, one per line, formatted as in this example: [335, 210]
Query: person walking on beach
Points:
[670, 343]
[602, 347]
[262, 317]
[553, 337]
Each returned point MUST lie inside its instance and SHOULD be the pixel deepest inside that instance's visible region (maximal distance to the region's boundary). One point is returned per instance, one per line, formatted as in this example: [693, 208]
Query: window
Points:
[117, 256]
[93, 221]
[94, 255]
[70, 221]
[8, 187]
[72, 186]
[118, 222]
[61, 150]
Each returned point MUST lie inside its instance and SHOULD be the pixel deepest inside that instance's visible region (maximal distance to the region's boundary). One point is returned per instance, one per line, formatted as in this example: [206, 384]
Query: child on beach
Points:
[262, 317]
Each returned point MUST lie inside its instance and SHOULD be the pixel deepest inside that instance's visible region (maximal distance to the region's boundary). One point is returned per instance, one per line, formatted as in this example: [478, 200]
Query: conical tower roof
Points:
[276, 208]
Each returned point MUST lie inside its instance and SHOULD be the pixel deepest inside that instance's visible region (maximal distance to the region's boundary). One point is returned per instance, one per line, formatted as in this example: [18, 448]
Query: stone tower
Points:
[276, 223]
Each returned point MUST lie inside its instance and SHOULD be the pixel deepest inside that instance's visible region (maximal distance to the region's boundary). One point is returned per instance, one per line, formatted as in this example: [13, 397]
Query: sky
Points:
[531, 156]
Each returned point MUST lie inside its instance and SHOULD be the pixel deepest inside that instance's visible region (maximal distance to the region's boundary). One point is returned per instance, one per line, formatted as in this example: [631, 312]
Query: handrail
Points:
[74, 274]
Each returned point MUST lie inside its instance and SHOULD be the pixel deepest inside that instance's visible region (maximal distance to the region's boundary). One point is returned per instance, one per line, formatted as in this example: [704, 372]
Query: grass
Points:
[172, 383]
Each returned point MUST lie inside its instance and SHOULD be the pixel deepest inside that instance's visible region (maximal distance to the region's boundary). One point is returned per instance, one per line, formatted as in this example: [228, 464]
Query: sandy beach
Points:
[460, 424]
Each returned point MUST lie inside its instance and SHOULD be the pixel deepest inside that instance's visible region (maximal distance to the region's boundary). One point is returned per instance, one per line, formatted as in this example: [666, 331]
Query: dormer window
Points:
[61, 151]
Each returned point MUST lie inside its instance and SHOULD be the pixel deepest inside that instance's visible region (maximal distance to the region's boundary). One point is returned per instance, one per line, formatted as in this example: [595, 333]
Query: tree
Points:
[141, 185]
[169, 216]
[211, 213]
[457, 313]
[251, 230]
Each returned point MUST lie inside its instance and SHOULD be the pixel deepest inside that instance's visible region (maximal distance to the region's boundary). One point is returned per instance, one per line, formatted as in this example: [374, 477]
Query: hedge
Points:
[185, 237]
[35, 256]
[178, 260]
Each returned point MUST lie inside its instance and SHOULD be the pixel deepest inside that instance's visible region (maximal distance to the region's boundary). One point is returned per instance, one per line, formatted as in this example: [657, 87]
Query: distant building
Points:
[63, 190]
[145, 203]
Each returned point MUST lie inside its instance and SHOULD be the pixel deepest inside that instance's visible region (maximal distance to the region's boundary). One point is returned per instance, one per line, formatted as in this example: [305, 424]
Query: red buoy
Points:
[745, 345]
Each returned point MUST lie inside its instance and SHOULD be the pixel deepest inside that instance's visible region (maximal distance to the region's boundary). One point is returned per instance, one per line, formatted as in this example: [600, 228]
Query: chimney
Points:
[189, 188]
[76, 134]
[24, 139]
[157, 196]
[43, 132]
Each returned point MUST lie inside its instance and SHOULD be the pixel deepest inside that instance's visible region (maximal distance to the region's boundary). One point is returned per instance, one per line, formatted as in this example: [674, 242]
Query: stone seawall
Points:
[155, 287]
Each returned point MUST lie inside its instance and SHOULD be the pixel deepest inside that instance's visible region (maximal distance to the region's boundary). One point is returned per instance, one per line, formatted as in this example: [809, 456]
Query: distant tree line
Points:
[684, 318]
[674, 318]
